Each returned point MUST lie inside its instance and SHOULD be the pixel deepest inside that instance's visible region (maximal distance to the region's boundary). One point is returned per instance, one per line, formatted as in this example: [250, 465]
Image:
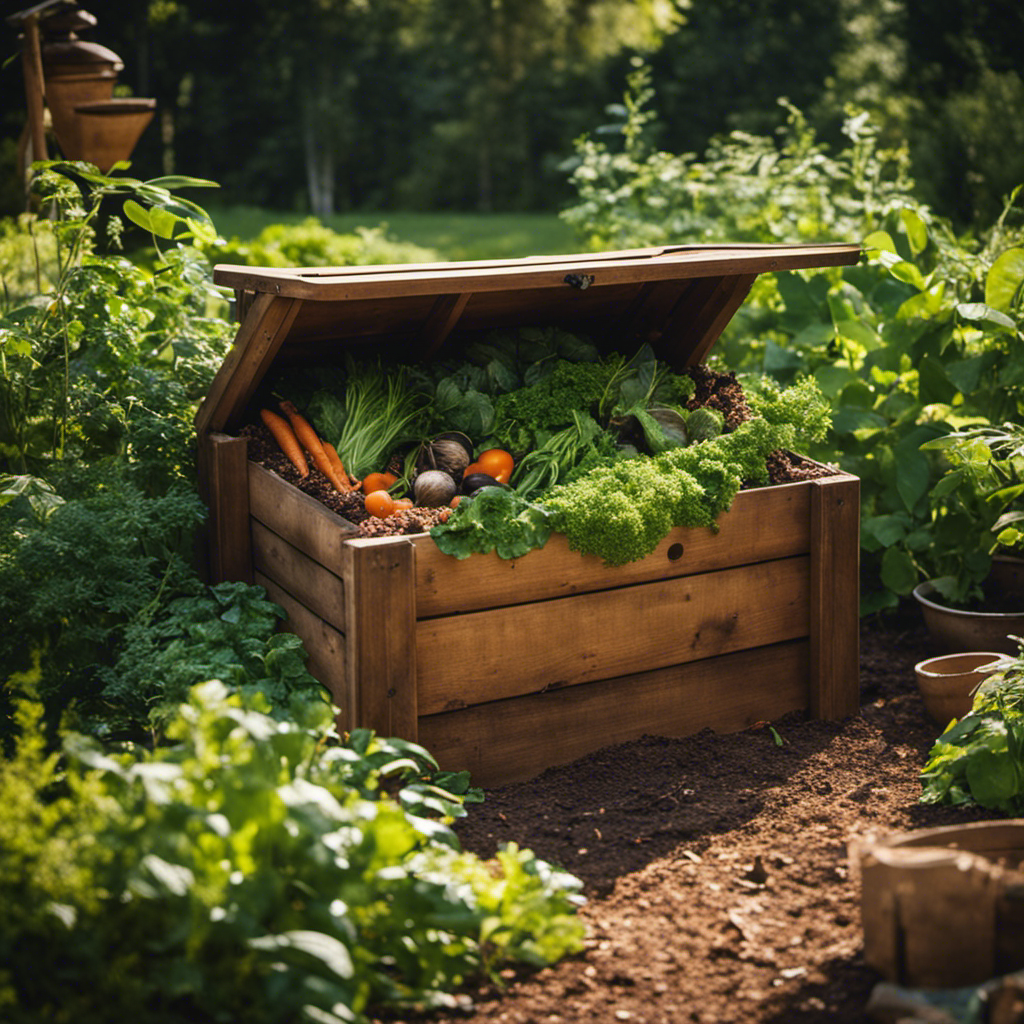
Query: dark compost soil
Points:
[715, 866]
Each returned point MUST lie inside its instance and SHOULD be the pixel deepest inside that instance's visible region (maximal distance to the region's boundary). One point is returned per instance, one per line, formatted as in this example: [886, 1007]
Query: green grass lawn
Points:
[457, 236]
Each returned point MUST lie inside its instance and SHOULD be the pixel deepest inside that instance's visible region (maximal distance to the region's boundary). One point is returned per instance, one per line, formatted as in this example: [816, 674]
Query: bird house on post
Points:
[72, 81]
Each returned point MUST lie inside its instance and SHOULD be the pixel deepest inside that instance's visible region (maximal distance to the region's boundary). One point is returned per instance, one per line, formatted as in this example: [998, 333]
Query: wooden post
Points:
[224, 486]
[32, 71]
[835, 597]
[380, 638]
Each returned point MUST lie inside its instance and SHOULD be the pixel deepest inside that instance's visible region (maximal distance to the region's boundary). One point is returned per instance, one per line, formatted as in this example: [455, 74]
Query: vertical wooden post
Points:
[380, 635]
[835, 597]
[32, 71]
[224, 486]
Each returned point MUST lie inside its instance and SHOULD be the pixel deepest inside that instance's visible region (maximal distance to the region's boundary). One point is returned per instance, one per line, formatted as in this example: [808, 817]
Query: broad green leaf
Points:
[886, 530]
[993, 777]
[880, 240]
[908, 273]
[899, 573]
[1004, 279]
[916, 231]
[138, 214]
[833, 379]
[934, 385]
[983, 313]
[859, 332]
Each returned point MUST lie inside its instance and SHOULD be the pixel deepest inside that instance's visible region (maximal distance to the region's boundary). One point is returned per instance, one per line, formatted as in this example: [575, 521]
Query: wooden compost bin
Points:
[508, 667]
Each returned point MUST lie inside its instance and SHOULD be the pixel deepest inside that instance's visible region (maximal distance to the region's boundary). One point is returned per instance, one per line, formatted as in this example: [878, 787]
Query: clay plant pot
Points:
[64, 94]
[947, 683]
[955, 629]
[109, 129]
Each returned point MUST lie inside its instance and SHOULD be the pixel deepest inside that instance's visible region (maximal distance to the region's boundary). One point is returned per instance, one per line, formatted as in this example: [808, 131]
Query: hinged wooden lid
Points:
[677, 298]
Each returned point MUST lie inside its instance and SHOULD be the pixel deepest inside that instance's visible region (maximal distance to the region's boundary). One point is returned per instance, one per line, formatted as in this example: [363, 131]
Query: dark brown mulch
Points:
[716, 866]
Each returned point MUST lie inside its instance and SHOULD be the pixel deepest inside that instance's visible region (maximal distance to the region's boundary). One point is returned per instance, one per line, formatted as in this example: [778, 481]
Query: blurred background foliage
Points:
[326, 106]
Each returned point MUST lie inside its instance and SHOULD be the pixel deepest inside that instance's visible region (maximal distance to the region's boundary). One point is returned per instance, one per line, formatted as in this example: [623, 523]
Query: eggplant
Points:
[475, 481]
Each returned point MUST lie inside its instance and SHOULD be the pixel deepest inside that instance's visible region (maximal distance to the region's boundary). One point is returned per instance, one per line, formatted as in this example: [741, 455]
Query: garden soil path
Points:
[715, 866]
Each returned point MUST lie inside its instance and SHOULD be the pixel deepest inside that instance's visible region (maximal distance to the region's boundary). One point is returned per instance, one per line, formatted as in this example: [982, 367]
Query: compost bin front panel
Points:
[505, 667]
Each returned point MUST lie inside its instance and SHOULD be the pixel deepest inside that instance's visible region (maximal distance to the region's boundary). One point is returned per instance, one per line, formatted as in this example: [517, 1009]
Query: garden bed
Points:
[716, 865]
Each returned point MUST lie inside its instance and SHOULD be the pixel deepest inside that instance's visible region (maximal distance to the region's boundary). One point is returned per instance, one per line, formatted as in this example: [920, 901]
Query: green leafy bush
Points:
[256, 869]
[311, 244]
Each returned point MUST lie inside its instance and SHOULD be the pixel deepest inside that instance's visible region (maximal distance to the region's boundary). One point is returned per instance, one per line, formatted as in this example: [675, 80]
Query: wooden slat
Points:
[223, 473]
[318, 589]
[693, 330]
[441, 322]
[304, 522]
[835, 596]
[504, 652]
[607, 269]
[324, 644]
[380, 605]
[266, 324]
[763, 524]
[511, 740]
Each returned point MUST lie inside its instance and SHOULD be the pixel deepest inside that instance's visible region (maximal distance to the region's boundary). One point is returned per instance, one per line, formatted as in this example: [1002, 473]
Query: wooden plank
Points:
[380, 605]
[441, 322]
[835, 596]
[607, 269]
[266, 324]
[694, 327]
[545, 645]
[763, 524]
[510, 740]
[223, 474]
[304, 522]
[319, 590]
[324, 644]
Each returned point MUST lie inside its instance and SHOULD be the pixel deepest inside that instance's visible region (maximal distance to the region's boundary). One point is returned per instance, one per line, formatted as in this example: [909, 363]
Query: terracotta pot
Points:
[954, 629]
[947, 683]
[109, 129]
[64, 94]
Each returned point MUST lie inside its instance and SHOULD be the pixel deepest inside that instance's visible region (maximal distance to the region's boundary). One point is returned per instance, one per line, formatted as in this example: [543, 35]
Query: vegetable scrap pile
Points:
[531, 431]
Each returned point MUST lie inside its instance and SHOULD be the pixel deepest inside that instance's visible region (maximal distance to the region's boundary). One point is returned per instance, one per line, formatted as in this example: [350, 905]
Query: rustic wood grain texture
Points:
[441, 322]
[693, 329]
[606, 269]
[266, 324]
[763, 524]
[835, 596]
[504, 652]
[319, 590]
[512, 740]
[304, 522]
[380, 604]
[223, 474]
[324, 644]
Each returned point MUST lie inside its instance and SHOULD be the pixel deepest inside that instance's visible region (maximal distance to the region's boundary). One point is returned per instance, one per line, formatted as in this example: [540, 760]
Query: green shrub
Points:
[255, 870]
[311, 244]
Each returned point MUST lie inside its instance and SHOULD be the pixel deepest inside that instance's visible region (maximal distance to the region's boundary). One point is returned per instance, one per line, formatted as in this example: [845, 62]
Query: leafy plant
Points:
[255, 868]
[980, 759]
[496, 519]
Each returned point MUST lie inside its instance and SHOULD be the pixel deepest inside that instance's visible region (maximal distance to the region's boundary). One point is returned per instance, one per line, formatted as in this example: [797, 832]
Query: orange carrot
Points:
[339, 468]
[286, 440]
[313, 445]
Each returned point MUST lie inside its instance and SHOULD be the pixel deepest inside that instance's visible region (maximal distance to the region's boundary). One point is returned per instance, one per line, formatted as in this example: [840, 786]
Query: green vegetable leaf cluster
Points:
[621, 512]
[496, 519]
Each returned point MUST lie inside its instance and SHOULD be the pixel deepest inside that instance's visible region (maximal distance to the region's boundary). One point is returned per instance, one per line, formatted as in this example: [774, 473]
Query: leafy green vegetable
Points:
[621, 512]
[496, 519]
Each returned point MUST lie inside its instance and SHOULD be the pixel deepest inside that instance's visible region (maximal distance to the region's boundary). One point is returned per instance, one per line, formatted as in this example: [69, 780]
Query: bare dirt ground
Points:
[716, 866]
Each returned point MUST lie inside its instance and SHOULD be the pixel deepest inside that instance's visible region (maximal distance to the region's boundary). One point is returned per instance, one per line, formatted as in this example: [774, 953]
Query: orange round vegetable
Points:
[473, 467]
[380, 504]
[378, 482]
[402, 503]
[495, 462]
